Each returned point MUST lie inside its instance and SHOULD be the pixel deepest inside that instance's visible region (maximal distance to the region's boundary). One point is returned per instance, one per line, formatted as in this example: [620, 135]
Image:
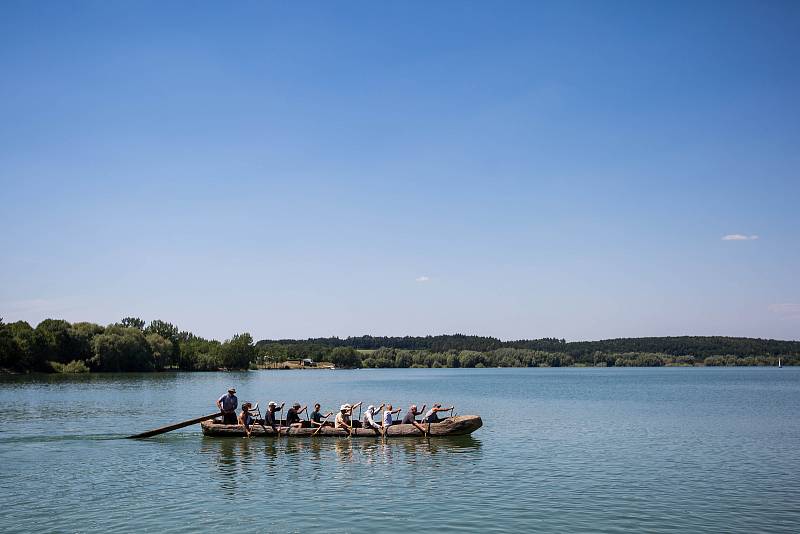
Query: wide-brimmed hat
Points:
[231, 390]
[344, 407]
[370, 408]
[272, 403]
[296, 405]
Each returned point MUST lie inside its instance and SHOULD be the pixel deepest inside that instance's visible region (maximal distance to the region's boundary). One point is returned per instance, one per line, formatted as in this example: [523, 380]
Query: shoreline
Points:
[4, 372]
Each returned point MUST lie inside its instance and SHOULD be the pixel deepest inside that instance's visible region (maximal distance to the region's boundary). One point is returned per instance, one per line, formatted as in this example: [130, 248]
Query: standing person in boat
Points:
[270, 417]
[227, 404]
[387, 416]
[245, 419]
[430, 415]
[411, 414]
[368, 421]
[317, 417]
[293, 415]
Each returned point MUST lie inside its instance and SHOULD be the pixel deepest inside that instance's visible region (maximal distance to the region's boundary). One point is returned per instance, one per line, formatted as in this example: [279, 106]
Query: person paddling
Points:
[343, 418]
[317, 419]
[293, 415]
[368, 420]
[430, 415]
[387, 416]
[270, 418]
[411, 414]
[410, 418]
[227, 404]
[245, 419]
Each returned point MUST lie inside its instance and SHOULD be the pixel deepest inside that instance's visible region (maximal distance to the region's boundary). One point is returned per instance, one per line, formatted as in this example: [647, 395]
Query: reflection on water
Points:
[231, 450]
[234, 458]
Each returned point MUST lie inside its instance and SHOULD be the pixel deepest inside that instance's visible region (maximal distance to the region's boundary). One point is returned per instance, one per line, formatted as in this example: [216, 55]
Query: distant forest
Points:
[55, 345]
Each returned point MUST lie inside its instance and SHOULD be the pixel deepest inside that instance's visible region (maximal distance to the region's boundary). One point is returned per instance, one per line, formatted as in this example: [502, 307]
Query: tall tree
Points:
[122, 349]
[238, 352]
[345, 357]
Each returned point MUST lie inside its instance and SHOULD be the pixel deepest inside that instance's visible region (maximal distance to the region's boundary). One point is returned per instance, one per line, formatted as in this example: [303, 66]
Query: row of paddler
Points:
[250, 414]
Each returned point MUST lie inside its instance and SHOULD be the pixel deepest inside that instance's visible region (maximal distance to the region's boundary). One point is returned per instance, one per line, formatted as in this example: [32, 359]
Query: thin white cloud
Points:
[739, 237]
[422, 279]
[786, 309]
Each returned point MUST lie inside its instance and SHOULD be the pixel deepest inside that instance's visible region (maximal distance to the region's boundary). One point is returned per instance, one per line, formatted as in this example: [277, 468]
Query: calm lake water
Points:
[570, 450]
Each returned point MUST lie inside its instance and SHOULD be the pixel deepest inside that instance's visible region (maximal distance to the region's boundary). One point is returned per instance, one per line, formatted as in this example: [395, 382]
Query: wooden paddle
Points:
[352, 426]
[176, 426]
[420, 428]
[261, 421]
[320, 426]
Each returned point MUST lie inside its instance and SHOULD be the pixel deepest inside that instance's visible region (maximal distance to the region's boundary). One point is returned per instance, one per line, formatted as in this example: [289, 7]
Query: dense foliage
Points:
[58, 346]
[133, 345]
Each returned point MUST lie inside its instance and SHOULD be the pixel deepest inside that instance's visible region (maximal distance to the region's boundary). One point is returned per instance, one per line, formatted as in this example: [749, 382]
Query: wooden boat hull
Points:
[460, 425]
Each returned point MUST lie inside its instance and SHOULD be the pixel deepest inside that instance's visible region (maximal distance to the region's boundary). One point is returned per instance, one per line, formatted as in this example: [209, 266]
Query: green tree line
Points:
[130, 345]
[55, 345]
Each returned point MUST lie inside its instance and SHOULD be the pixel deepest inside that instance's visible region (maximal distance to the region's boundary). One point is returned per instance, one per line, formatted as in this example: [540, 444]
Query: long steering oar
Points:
[176, 426]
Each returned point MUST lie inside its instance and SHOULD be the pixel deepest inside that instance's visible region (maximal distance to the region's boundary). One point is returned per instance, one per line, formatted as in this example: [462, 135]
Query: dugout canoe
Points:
[460, 425]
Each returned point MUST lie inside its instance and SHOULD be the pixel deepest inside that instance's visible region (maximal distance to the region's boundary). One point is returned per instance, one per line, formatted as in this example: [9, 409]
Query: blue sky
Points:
[515, 169]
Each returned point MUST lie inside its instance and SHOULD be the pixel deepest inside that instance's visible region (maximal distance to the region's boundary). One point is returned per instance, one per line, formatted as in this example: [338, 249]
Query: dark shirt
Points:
[431, 418]
[292, 417]
[270, 419]
[316, 417]
[409, 418]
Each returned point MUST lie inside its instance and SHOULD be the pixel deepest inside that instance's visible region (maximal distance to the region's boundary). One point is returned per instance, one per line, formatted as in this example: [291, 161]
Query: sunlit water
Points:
[571, 450]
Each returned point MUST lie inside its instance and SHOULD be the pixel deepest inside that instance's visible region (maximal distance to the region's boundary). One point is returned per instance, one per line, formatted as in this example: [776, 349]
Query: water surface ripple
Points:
[570, 450]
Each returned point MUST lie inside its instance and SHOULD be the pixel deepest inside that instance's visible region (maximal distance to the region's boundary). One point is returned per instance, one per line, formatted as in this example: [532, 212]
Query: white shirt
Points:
[387, 418]
[369, 420]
